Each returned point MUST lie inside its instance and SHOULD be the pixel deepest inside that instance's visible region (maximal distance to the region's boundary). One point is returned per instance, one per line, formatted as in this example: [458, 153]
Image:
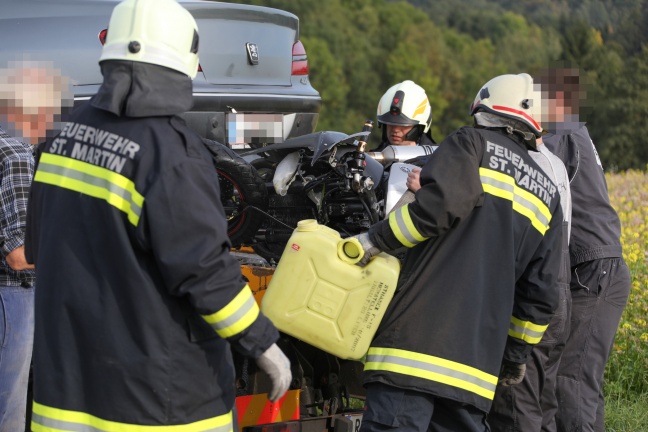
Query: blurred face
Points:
[33, 126]
[32, 98]
[557, 108]
[396, 134]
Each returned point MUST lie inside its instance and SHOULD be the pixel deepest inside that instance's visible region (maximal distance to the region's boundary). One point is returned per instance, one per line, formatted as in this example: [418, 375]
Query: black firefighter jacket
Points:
[485, 239]
[138, 298]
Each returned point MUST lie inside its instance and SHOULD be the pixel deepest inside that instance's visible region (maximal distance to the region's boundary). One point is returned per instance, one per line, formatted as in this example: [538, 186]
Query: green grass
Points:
[626, 413]
[626, 374]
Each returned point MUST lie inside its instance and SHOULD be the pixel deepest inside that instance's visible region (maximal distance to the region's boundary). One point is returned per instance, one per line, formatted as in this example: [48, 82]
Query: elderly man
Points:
[30, 102]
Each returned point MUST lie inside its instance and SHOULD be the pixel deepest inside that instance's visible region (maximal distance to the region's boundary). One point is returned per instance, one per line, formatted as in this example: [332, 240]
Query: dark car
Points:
[252, 87]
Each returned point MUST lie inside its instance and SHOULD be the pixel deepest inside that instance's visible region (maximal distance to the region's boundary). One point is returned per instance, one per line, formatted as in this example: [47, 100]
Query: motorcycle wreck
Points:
[327, 176]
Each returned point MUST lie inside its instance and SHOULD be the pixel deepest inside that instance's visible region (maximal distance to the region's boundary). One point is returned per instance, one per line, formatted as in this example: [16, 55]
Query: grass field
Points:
[626, 377]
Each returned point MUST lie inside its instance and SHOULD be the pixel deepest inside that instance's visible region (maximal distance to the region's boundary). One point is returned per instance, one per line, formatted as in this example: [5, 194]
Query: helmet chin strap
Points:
[414, 134]
[528, 138]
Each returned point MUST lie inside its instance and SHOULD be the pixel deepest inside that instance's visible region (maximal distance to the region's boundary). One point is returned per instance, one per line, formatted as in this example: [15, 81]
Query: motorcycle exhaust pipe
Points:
[401, 153]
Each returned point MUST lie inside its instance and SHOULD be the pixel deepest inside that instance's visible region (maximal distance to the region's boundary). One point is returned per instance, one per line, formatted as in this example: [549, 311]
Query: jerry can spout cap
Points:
[307, 225]
[350, 250]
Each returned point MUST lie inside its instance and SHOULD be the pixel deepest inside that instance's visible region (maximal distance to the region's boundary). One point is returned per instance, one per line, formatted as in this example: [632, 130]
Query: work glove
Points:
[369, 248]
[511, 373]
[275, 363]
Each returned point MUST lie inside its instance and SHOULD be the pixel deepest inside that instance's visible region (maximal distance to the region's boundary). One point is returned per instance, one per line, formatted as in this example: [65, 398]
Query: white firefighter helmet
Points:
[514, 97]
[406, 104]
[159, 32]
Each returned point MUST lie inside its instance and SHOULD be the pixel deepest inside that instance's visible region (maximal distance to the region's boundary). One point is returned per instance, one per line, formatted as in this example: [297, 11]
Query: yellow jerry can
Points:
[319, 295]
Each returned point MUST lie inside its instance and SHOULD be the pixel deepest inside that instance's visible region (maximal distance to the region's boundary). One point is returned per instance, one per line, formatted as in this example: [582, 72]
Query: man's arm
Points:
[185, 224]
[17, 173]
[451, 189]
[536, 294]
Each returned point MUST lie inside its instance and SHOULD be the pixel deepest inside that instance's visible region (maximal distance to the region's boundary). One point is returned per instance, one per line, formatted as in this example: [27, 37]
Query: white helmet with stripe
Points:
[406, 104]
[514, 97]
[159, 32]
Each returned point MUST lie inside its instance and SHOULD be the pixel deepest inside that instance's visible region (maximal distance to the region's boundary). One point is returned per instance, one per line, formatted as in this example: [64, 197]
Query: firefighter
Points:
[478, 283]
[405, 116]
[140, 299]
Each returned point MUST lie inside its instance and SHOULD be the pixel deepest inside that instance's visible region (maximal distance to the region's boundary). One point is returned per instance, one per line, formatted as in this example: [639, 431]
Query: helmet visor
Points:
[396, 119]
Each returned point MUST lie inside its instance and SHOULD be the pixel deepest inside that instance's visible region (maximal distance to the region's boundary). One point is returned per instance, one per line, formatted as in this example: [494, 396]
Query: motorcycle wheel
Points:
[242, 191]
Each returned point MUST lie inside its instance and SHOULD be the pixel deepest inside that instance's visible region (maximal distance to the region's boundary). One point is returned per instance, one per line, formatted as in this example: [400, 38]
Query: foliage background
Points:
[359, 48]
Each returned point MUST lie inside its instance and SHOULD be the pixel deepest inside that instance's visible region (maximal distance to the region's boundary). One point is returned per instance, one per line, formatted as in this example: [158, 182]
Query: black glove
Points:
[370, 249]
[511, 373]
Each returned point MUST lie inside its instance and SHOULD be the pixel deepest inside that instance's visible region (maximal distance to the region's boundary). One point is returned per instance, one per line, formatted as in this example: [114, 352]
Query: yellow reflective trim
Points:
[403, 227]
[529, 325]
[510, 195]
[433, 361]
[542, 228]
[528, 196]
[421, 108]
[93, 190]
[532, 340]
[527, 331]
[237, 316]
[80, 421]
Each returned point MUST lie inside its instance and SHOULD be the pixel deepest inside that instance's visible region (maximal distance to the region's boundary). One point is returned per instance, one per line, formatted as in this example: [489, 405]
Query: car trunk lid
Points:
[262, 54]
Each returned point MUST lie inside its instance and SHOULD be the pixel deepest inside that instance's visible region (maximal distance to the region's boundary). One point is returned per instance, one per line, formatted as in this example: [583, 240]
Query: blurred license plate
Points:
[254, 130]
[356, 419]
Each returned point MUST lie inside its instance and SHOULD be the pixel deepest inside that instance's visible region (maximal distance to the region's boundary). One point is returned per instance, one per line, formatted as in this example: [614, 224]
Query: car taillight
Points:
[102, 36]
[299, 59]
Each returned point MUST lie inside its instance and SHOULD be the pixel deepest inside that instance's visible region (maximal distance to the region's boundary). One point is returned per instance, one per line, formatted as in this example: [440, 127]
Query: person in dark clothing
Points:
[140, 301]
[531, 406]
[600, 279]
[477, 290]
[405, 116]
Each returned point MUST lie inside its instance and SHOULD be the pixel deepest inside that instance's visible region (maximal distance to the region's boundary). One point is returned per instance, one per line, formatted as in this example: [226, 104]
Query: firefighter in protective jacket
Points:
[139, 299]
[478, 283]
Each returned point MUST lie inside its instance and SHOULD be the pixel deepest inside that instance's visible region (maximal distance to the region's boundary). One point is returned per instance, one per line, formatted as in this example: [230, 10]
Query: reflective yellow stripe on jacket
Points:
[91, 180]
[526, 330]
[524, 202]
[48, 419]
[432, 368]
[403, 228]
[238, 315]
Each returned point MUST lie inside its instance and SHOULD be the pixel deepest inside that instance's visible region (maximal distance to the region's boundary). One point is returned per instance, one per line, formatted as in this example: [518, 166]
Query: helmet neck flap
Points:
[133, 89]
[511, 126]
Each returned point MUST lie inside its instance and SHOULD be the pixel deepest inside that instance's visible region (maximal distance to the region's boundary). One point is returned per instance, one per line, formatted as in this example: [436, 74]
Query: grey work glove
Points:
[370, 249]
[511, 373]
[275, 363]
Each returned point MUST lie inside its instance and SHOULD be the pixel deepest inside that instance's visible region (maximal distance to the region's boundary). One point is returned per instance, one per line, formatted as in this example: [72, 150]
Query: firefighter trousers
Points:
[531, 405]
[390, 408]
